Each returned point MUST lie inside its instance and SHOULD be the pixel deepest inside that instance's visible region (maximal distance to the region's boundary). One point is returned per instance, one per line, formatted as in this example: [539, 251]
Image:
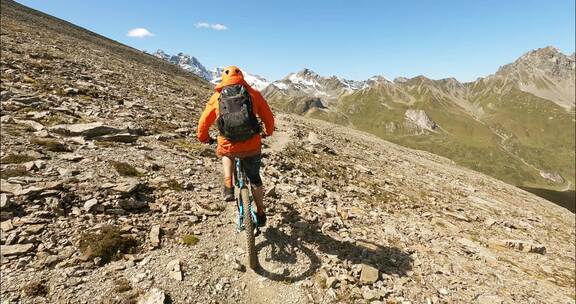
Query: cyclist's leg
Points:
[228, 166]
[252, 168]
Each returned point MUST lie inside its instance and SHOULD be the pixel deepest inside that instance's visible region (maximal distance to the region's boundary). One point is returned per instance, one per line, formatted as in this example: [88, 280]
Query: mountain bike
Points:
[247, 220]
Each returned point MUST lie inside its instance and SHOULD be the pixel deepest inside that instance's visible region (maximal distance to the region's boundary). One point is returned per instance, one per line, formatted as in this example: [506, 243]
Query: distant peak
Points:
[420, 78]
[544, 52]
[307, 72]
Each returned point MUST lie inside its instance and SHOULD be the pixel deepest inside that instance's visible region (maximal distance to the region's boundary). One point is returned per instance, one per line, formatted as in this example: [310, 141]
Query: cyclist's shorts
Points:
[251, 166]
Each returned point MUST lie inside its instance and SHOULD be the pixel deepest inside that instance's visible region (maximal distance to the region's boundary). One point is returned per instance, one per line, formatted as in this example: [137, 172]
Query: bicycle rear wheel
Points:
[249, 229]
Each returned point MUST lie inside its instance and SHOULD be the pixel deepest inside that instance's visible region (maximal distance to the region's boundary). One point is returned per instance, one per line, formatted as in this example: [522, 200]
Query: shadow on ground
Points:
[306, 238]
[566, 199]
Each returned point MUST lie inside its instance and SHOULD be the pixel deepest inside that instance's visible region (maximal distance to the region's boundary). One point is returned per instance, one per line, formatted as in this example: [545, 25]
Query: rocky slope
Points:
[107, 198]
[516, 125]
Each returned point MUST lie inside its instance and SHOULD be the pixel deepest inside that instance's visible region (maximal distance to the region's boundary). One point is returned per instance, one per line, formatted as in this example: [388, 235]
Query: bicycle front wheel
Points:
[249, 229]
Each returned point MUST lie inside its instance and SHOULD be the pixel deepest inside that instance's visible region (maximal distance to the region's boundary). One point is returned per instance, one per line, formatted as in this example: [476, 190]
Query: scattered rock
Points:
[30, 123]
[155, 236]
[5, 186]
[369, 274]
[122, 137]
[87, 130]
[5, 201]
[153, 296]
[71, 157]
[35, 228]
[524, 246]
[6, 225]
[489, 299]
[128, 186]
[18, 249]
[174, 270]
[90, 204]
[369, 294]
[40, 187]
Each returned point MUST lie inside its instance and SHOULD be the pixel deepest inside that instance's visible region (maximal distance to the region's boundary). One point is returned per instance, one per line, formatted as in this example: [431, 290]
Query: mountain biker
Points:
[230, 148]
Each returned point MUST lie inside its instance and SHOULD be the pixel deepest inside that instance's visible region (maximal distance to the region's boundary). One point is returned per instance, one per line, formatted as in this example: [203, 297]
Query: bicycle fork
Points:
[240, 224]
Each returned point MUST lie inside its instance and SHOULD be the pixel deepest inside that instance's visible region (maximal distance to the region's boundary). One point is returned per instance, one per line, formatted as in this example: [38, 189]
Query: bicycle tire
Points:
[249, 229]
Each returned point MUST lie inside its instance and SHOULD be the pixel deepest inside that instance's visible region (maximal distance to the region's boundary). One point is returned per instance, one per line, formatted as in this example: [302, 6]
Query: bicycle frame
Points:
[240, 181]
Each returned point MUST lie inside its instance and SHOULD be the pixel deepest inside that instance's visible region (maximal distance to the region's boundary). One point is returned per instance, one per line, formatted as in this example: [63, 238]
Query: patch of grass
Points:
[174, 185]
[105, 144]
[122, 285]
[108, 244]
[51, 144]
[28, 79]
[13, 172]
[53, 120]
[189, 239]
[184, 145]
[125, 169]
[161, 125]
[35, 289]
[187, 145]
[16, 158]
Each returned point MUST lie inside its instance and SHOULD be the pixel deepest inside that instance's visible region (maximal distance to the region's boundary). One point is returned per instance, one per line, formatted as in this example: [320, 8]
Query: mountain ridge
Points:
[492, 115]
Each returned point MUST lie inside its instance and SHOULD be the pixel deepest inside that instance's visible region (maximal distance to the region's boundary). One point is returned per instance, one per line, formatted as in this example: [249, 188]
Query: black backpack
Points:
[236, 120]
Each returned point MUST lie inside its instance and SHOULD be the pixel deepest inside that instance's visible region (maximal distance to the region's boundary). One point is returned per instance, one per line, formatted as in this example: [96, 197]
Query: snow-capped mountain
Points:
[187, 62]
[256, 81]
[310, 88]
[191, 64]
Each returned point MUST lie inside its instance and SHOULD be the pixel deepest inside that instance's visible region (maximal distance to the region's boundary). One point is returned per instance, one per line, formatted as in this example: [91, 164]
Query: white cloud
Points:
[219, 27]
[215, 26]
[139, 33]
[202, 24]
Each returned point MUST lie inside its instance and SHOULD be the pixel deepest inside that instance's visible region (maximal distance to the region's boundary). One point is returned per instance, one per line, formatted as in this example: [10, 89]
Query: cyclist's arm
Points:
[207, 119]
[263, 111]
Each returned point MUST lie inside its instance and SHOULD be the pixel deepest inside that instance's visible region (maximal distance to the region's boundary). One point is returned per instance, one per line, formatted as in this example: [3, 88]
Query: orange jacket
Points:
[230, 76]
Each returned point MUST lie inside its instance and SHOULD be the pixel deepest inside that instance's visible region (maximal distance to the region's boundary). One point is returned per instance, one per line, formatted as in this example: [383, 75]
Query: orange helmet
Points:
[231, 75]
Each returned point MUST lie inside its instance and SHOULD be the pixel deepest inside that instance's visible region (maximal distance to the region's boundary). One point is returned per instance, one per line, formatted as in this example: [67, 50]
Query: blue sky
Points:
[352, 39]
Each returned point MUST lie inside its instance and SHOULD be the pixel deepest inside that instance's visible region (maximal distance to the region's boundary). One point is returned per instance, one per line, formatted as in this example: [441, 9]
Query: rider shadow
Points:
[284, 249]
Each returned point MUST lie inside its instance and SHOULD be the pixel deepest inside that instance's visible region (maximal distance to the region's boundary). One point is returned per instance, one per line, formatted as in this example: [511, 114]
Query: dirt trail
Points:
[281, 138]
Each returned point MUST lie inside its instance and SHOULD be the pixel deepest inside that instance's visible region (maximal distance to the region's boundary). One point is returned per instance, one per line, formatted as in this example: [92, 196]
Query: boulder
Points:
[128, 186]
[87, 130]
[9, 187]
[122, 137]
[30, 123]
[369, 274]
[40, 187]
[17, 249]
